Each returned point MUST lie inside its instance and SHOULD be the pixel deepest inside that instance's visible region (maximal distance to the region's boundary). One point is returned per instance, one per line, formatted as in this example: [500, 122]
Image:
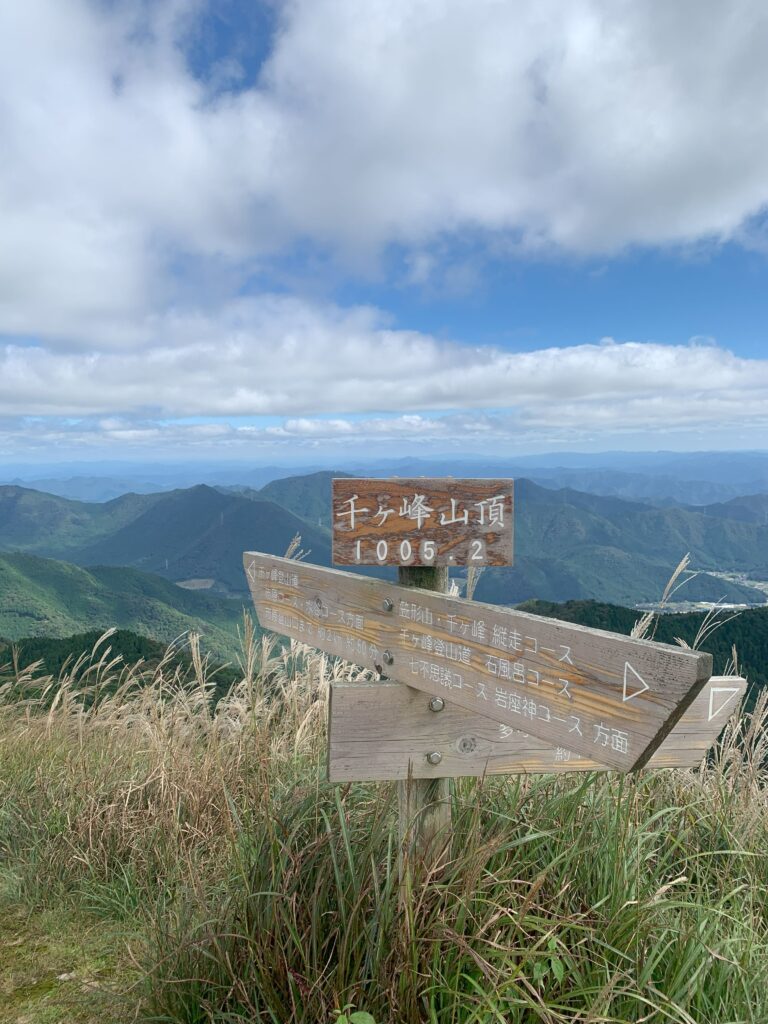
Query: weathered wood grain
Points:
[422, 522]
[385, 730]
[423, 805]
[599, 694]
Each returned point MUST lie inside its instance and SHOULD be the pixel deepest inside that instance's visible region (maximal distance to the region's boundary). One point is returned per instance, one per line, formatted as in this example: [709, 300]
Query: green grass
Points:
[58, 966]
[251, 890]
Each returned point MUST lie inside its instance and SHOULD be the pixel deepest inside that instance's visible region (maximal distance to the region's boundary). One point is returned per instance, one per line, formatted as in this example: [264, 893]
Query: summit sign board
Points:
[600, 695]
[422, 522]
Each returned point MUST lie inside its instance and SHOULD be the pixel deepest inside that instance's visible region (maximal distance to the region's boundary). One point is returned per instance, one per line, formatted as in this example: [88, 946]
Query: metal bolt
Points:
[387, 657]
[434, 757]
[436, 704]
[387, 605]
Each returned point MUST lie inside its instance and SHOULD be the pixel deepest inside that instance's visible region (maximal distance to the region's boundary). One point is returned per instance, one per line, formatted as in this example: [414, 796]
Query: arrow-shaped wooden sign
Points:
[383, 730]
[598, 694]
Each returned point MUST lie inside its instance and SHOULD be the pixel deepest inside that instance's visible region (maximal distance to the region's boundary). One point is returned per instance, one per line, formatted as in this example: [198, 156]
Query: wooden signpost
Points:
[487, 689]
[384, 730]
[601, 695]
[422, 522]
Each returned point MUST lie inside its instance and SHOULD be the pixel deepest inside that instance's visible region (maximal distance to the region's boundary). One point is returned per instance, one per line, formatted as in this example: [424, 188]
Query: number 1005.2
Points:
[404, 550]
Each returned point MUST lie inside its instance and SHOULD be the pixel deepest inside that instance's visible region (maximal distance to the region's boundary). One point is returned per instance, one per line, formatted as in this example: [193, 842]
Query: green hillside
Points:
[40, 597]
[39, 523]
[55, 652]
[60, 653]
[306, 496]
[185, 534]
[569, 545]
[560, 523]
[202, 533]
[751, 508]
[601, 573]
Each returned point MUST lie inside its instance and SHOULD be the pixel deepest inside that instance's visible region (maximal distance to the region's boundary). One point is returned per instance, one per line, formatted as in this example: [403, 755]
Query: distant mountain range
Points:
[190, 534]
[569, 544]
[44, 597]
[574, 545]
[687, 478]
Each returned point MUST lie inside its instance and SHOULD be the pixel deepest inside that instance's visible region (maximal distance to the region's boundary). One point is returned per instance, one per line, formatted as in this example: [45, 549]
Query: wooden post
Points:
[424, 805]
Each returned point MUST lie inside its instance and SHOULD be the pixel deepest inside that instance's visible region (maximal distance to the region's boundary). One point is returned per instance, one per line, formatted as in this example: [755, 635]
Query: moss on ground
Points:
[63, 968]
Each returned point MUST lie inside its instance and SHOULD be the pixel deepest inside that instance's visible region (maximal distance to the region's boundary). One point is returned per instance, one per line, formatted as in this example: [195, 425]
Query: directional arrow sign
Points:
[383, 731]
[560, 682]
[720, 697]
[634, 684]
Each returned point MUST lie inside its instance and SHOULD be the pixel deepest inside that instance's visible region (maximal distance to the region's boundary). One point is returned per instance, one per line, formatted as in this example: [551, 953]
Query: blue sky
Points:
[255, 231]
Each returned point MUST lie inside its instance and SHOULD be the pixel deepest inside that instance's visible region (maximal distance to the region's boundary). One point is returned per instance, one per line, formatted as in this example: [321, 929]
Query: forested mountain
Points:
[568, 544]
[306, 496]
[750, 508]
[41, 523]
[44, 597]
[188, 534]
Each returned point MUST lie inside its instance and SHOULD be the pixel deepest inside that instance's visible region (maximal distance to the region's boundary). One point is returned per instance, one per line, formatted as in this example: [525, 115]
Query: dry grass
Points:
[264, 894]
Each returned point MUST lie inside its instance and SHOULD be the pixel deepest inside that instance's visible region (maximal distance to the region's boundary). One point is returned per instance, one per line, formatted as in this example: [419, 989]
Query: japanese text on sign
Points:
[599, 694]
[422, 522]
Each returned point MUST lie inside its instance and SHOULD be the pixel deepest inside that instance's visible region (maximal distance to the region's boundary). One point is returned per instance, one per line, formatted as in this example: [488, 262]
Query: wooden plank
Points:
[582, 689]
[422, 522]
[385, 730]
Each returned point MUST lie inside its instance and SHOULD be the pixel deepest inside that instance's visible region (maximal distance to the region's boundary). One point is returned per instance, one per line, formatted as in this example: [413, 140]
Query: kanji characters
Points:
[417, 509]
[353, 511]
[491, 510]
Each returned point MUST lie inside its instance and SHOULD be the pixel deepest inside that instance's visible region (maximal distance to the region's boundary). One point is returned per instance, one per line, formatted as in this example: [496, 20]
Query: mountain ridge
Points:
[48, 597]
[569, 544]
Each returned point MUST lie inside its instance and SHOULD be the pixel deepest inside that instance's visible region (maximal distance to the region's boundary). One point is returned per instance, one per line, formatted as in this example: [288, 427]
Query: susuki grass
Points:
[264, 894]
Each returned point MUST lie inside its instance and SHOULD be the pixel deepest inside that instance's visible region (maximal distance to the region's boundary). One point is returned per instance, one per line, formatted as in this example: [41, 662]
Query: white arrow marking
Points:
[629, 674]
[727, 693]
[252, 572]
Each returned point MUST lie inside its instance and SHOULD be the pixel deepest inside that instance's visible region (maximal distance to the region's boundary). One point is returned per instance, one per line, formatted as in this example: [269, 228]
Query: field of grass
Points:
[205, 872]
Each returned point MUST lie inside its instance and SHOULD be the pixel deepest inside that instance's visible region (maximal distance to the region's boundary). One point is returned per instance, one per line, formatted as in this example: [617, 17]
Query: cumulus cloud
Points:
[588, 126]
[137, 198]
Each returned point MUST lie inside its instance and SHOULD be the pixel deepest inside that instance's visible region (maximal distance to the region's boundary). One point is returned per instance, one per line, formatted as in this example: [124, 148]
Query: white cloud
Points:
[336, 374]
[278, 356]
[590, 126]
[585, 127]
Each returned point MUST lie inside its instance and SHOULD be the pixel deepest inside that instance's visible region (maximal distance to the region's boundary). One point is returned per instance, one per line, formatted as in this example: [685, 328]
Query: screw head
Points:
[434, 757]
[387, 605]
[436, 704]
[387, 657]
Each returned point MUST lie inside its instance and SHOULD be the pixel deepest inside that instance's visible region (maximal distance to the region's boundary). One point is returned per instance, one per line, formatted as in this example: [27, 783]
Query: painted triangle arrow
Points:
[719, 698]
[631, 679]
